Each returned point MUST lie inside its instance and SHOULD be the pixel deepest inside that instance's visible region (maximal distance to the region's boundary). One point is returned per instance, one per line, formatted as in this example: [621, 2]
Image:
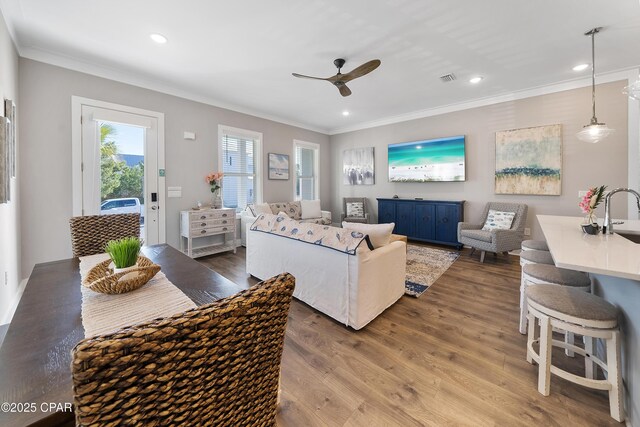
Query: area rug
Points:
[424, 266]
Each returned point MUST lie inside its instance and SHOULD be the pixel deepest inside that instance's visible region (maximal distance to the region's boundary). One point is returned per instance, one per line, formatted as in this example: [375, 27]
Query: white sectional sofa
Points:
[352, 289]
[294, 210]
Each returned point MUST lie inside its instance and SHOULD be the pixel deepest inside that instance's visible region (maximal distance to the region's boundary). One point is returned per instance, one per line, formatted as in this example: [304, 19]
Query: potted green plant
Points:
[123, 253]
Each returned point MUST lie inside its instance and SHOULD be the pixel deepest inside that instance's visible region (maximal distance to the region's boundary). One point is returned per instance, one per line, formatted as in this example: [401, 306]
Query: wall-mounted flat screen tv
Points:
[430, 160]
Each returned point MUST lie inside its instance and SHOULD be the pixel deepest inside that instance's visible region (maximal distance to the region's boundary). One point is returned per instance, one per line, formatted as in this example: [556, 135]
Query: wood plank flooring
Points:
[451, 357]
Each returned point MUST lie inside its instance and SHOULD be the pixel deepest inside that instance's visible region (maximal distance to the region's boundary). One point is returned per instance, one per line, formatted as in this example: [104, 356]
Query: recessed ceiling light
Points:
[580, 67]
[158, 38]
[345, 113]
[475, 80]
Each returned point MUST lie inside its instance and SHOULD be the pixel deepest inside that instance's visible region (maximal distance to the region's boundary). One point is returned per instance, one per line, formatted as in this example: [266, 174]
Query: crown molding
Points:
[613, 76]
[134, 79]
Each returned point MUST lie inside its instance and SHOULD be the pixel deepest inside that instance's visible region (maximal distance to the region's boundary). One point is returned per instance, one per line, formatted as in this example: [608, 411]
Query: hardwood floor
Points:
[451, 357]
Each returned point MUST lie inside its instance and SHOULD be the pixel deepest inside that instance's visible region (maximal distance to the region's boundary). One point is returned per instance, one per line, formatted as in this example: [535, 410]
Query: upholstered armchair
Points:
[354, 209]
[495, 241]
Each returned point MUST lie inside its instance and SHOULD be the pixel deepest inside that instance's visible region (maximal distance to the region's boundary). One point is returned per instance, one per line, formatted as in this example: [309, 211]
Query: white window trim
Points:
[316, 166]
[257, 161]
[76, 154]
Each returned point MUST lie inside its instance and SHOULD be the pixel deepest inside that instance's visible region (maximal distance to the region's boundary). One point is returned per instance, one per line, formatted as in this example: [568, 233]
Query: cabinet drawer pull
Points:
[203, 224]
[224, 215]
[224, 228]
[203, 232]
[224, 221]
[203, 217]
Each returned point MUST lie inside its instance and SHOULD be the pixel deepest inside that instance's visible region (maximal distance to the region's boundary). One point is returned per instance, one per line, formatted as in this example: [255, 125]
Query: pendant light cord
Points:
[594, 120]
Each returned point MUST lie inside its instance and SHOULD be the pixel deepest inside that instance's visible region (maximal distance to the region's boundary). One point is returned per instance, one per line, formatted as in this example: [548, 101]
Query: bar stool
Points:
[534, 245]
[543, 274]
[571, 309]
[536, 257]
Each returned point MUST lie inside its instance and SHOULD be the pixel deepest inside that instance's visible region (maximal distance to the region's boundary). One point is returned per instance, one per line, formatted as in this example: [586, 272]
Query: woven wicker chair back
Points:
[90, 234]
[218, 365]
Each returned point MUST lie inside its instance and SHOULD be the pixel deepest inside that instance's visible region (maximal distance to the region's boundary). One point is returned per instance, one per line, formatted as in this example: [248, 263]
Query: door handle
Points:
[154, 208]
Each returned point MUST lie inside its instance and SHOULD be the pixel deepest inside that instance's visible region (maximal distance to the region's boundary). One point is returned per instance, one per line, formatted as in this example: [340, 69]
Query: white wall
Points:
[10, 212]
[584, 165]
[46, 92]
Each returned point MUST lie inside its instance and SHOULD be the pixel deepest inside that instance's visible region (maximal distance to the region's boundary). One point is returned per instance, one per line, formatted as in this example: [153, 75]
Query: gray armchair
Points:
[364, 218]
[495, 240]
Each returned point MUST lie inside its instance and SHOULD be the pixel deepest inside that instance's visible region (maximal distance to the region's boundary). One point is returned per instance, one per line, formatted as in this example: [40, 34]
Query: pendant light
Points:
[633, 90]
[594, 131]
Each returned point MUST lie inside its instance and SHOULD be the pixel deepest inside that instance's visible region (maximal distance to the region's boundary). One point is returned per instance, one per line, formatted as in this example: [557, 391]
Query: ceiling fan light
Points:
[633, 90]
[594, 132]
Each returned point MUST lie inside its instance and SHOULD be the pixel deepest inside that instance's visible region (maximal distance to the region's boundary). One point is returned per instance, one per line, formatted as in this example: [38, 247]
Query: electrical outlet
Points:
[527, 232]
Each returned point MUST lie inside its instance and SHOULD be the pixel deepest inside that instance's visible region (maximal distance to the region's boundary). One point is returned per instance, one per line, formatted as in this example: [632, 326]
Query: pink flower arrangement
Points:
[591, 200]
[214, 179]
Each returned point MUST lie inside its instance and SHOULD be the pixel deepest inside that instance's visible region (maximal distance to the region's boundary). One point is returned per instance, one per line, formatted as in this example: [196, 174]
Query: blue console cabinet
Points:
[434, 221]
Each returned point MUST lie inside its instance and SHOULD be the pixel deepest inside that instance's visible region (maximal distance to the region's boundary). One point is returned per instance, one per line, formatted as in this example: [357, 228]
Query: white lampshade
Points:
[594, 132]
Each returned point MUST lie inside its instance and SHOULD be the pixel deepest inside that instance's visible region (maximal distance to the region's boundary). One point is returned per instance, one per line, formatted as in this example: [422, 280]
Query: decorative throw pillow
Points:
[355, 210]
[498, 220]
[261, 208]
[310, 209]
[281, 213]
[379, 234]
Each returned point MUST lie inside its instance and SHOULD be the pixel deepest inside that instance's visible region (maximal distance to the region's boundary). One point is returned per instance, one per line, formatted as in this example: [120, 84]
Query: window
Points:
[239, 162]
[307, 170]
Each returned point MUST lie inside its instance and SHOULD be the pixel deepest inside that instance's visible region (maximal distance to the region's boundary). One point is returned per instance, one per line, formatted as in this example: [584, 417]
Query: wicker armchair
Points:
[496, 240]
[90, 234]
[218, 364]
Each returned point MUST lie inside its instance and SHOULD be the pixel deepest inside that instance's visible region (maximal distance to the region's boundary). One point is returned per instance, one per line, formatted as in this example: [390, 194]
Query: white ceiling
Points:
[240, 54]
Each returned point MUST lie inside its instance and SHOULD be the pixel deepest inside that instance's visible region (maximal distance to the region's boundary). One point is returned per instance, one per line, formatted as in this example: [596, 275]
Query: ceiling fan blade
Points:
[360, 71]
[344, 90]
[302, 76]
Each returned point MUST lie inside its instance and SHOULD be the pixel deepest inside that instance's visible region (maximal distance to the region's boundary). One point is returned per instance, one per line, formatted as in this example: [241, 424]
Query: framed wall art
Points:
[10, 114]
[529, 161]
[4, 161]
[358, 166]
[278, 166]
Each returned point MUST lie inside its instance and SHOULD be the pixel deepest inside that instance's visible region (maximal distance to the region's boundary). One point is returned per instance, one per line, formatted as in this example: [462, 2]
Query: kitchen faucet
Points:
[607, 225]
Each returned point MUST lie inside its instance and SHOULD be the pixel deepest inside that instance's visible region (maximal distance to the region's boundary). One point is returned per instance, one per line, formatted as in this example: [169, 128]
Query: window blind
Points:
[305, 173]
[238, 185]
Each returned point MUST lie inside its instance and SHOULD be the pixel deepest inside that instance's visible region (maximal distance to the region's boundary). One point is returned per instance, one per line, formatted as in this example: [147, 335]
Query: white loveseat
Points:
[352, 289]
[292, 209]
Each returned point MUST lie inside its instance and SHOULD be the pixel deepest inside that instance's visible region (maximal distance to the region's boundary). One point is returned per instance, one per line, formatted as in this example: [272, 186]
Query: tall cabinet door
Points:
[405, 219]
[386, 212]
[425, 221]
[447, 217]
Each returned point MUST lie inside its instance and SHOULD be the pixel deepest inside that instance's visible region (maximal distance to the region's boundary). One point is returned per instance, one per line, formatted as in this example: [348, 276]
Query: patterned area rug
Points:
[424, 266]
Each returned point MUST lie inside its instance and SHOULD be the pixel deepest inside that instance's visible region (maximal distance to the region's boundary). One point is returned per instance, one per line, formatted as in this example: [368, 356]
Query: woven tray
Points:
[101, 277]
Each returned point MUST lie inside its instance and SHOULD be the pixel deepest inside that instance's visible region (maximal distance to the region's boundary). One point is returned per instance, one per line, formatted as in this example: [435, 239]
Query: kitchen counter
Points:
[614, 266]
[609, 254]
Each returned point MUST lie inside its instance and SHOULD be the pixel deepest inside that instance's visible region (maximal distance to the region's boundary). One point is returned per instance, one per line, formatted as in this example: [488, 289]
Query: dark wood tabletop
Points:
[35, 357]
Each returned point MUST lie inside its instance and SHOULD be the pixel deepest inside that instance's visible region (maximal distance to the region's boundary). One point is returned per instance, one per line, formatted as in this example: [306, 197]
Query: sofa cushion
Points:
[293, 209]
[498, 220]
[481, 235]
[355, 209]
[339, 239]
[310, 209]
[379, 234]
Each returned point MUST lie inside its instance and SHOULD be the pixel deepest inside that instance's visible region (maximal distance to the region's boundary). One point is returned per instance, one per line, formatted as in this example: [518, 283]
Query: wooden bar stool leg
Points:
[568, 338]
[531, 337]
[588, 364]
[523, 306]
[544, 369]
[614, 376]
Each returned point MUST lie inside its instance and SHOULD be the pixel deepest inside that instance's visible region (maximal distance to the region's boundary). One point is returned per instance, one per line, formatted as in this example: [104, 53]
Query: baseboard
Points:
[14, 304]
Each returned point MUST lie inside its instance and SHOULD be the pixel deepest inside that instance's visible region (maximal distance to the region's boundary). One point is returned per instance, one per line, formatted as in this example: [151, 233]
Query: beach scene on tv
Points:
[440, 159]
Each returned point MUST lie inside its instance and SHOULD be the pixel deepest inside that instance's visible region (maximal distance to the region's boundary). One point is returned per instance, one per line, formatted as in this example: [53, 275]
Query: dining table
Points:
[35, 356]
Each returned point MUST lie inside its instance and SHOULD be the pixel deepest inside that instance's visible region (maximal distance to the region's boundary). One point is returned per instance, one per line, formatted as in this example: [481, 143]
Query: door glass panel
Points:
[122, 170]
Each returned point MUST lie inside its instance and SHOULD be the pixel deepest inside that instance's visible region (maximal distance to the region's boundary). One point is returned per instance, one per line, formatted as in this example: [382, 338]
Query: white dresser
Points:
[198, 226]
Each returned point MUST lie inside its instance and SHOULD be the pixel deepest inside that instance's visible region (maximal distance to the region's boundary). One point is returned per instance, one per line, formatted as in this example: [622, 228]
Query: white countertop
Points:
[608, 254]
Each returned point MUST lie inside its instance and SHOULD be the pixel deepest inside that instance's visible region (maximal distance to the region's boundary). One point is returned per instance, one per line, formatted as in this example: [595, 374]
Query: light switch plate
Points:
[174, 191]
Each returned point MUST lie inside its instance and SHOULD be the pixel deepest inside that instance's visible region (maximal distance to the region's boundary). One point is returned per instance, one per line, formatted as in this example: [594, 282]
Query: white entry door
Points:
[122, 165]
